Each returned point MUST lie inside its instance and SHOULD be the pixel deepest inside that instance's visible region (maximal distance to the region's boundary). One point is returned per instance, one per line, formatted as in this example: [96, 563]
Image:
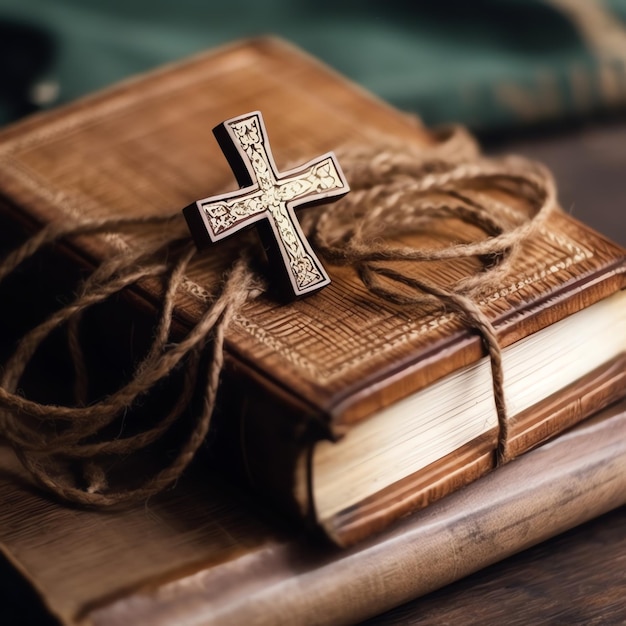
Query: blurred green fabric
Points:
[490, 64]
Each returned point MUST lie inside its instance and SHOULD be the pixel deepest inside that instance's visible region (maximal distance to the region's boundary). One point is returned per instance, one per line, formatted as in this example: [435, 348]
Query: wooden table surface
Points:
[580, 576]
[576, 578]
[589, 165]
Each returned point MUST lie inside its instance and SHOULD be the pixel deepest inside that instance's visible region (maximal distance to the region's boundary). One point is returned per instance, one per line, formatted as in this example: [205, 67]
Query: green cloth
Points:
[487, 63]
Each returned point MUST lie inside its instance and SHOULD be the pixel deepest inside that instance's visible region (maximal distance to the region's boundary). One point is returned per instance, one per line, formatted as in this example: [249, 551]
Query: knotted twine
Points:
[395, 190]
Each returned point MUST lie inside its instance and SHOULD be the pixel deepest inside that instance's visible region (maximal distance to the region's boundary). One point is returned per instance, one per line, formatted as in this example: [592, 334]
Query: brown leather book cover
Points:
[145, 147]
[204, 553]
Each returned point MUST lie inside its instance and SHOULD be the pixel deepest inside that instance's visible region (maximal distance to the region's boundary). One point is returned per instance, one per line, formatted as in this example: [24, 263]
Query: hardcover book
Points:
[356, 410]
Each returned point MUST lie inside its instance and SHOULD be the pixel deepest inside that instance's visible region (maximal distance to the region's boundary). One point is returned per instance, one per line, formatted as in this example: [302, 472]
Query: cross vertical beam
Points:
[268, 199]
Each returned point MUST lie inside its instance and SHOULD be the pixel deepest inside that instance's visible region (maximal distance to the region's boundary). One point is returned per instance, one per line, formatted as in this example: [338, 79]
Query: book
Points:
[205, 553]
[333, 366]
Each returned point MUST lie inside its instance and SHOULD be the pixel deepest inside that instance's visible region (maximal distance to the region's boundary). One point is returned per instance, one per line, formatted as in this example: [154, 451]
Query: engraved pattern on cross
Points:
[266, 194]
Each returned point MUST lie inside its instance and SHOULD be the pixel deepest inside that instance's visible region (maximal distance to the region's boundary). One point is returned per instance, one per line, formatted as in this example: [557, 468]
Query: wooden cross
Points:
[267, 199]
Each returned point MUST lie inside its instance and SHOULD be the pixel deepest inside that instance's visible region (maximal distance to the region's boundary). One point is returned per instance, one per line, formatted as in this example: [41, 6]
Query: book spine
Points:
[262, 435]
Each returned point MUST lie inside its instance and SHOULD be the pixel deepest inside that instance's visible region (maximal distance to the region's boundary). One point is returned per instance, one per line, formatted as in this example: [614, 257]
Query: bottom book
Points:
[205, 553]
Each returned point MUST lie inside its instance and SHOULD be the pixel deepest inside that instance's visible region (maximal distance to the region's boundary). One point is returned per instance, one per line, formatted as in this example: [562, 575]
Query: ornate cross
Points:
[267, 198]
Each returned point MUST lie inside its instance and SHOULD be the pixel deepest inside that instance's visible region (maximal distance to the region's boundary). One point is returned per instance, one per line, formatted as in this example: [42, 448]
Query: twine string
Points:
[395, 190]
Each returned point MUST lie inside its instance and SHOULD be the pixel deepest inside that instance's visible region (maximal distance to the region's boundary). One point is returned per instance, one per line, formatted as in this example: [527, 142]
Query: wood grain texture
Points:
[342, 354]
[205, 554]
[576, 579]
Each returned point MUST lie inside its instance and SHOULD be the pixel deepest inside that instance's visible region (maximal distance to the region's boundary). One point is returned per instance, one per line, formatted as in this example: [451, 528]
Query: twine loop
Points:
[75, 450]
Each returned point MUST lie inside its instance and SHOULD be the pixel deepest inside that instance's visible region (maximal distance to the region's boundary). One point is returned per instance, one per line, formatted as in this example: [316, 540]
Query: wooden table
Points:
[589, 165]
[576, 578]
